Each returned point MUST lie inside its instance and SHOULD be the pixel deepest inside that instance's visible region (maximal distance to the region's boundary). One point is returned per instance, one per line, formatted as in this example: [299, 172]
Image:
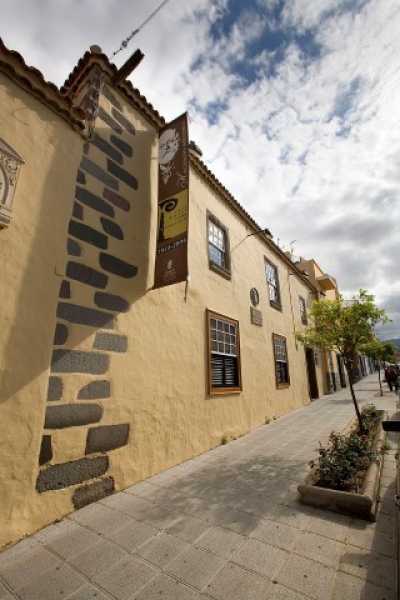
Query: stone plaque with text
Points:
[256, 316]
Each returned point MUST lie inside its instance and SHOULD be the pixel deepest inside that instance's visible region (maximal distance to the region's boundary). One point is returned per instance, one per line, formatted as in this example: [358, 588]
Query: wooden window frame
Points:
[224, 271]
[212, 390]
[281, 384]
[277, 304]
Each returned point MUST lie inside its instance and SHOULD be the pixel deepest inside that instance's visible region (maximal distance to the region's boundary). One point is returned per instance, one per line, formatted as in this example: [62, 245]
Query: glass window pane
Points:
[216, 239]
[223, 337]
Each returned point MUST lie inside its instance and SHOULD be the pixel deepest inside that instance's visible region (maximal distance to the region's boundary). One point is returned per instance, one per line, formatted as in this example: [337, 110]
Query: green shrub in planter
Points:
[343, 462]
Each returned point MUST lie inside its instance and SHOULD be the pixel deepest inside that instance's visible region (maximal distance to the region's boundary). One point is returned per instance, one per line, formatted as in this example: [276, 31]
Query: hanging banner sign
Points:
[171, 264]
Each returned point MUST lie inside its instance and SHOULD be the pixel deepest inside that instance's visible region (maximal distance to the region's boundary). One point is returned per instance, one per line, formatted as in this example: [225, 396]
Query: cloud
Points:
[293, 103]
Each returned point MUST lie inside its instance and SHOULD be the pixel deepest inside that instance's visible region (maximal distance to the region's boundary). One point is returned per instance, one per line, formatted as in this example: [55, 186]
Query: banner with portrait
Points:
[171, 265]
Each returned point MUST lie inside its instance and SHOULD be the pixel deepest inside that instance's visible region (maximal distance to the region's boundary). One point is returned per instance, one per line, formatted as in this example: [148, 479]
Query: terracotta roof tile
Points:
[30, 78]
[88, 60]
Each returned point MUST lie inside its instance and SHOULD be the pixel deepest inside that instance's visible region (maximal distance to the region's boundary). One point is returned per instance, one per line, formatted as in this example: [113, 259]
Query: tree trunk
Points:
[379, 377]
[353, 397]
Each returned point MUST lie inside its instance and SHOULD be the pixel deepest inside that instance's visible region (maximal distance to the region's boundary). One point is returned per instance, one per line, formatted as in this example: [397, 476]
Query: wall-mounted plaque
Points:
[254, 297]
[256, 316]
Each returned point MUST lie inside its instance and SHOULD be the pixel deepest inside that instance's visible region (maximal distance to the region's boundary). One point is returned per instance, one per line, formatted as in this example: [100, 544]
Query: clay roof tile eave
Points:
[31, 79]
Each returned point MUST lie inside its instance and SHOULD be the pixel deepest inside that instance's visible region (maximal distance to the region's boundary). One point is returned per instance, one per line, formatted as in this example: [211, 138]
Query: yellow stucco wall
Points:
[32, 254]
[159, 384]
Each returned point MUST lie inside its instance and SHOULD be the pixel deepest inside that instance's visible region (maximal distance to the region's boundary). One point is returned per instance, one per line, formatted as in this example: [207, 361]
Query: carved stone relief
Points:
[10, 164]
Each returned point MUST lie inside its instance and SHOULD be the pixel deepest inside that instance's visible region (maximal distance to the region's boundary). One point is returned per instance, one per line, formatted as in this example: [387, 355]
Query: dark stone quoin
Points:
[115, 265]
[72, 415]
[57, 477]
[95, 390]
[86, 274]
[111, 302]
[110, 342]
[94, 202]
[99, 173]
[54, 391]
[93, 492]
[107, 437]
[78, 361]
[116, 199]
[84, 316]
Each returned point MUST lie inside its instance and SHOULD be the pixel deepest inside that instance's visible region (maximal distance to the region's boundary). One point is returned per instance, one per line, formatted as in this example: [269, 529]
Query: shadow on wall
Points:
[99, 239]
[88, 262]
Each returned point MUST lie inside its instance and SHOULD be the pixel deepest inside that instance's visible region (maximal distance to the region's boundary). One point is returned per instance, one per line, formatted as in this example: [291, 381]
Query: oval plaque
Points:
[254, 296]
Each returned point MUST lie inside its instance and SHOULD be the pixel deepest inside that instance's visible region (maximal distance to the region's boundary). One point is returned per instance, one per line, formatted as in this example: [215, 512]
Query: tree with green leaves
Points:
[344, 326]
[379, 351]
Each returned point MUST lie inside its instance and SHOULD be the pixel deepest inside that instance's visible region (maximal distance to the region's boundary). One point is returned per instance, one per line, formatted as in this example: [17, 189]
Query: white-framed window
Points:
[303, 310]
[218, 247]
[281, 361]
[271, 274]
[224, 353]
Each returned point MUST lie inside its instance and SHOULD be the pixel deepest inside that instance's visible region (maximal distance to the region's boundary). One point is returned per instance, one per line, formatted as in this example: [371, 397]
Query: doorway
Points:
[312, 375]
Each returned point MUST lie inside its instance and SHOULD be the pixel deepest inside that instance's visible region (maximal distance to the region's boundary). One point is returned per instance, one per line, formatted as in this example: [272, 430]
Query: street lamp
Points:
[265, 231]
[303, 272]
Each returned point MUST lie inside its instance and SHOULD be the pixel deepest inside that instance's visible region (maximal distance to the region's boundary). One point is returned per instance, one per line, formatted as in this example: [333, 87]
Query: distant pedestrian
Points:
[392, 378]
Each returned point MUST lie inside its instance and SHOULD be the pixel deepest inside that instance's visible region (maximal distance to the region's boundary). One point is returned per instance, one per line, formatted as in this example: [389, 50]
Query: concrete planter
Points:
[363, 504]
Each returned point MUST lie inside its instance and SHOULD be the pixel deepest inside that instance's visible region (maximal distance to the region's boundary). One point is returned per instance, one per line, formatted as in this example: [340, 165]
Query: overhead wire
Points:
[126, 41]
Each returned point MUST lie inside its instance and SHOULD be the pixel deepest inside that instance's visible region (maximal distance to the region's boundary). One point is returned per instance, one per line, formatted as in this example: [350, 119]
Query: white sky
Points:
[294, 103]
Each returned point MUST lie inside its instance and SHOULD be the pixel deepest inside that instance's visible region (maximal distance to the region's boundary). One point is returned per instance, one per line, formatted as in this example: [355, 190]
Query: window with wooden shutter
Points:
[224, 354]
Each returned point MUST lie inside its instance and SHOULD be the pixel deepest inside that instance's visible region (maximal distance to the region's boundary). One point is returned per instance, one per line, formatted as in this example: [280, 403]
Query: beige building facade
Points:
[105, 380]
[332, 375]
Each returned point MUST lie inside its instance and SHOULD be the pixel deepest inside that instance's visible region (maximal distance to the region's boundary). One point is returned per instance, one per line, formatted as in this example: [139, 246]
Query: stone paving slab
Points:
[233, 581]
[161, 550]
[196, 567]
[166, 588]
[4, 593]
[276, 534]
[260, 558]
[375, 568]
[88, 592]
[56, 582]
[125, 578]
[97, 558]
[188, 528]
[28, 567]
[220, 541]
[226, 525]
[132, 536]
[353, 588]
[307, 577]
[319, 548]
[71, 541]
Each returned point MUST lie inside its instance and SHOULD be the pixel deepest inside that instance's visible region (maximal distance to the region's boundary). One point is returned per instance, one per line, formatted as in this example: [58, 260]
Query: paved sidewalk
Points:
[224, 526]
